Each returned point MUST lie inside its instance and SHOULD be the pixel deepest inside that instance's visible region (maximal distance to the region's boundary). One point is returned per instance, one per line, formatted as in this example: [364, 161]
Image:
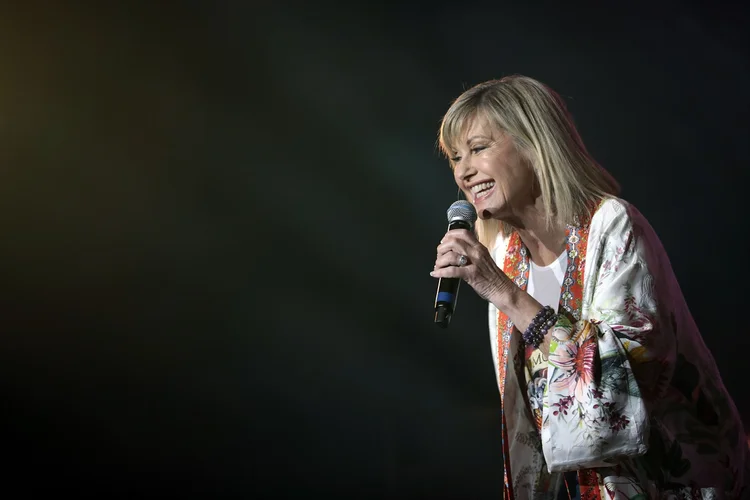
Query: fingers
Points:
[451, 251]
[456, 254]
[461, 234]
[449, 272]
[461, 243]
[451, 258]
[451, 265]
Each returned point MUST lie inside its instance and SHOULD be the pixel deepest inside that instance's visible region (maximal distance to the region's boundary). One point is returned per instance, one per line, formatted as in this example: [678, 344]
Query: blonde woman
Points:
[607, 388]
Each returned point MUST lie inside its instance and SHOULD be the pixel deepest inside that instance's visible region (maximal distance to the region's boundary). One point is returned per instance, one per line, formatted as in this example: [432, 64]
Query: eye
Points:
[477, 149]
[455, 159]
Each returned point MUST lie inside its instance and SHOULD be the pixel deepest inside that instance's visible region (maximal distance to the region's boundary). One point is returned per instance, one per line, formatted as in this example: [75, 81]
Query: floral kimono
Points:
[630, 397]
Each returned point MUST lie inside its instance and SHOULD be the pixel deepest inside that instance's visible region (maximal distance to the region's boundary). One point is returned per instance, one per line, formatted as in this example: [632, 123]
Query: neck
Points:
[544, 244]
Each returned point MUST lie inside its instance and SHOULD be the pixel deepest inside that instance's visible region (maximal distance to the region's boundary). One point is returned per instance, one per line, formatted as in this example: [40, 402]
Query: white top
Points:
[545, 285]
[545, 282]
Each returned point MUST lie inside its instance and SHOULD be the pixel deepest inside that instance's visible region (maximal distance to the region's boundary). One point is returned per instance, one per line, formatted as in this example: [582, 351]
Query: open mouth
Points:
[481, 191]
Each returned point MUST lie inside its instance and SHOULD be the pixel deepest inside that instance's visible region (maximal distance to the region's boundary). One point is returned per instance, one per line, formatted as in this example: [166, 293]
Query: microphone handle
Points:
[447, 289]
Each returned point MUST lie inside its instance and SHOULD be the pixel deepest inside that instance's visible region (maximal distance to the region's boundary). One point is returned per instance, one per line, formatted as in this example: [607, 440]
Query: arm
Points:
[521, 309]
[602, 367]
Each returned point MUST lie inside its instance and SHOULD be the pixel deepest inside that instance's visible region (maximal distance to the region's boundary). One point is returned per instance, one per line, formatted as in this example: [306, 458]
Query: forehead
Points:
[478, 127]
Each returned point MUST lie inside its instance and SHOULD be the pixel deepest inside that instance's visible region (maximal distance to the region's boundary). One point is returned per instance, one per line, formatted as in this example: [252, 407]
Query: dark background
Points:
[218, 220]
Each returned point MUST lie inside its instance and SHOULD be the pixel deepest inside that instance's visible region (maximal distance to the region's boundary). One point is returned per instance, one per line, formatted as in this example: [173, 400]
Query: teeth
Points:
[482, 187]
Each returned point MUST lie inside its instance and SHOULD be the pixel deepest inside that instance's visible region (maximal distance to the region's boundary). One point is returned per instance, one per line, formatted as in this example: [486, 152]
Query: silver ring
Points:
[462, 260]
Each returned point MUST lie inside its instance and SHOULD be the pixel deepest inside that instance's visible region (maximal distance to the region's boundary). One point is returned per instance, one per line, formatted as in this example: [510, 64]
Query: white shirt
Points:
[545, 282]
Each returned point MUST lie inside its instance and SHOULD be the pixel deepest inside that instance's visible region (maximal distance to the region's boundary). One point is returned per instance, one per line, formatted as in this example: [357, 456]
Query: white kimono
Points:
[632, 398]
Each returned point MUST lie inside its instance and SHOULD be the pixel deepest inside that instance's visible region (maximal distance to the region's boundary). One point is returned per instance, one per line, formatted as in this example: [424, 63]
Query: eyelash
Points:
[473, 150]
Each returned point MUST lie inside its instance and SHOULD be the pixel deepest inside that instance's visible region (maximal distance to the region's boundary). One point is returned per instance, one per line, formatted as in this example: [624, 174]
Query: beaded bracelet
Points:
[543, 321]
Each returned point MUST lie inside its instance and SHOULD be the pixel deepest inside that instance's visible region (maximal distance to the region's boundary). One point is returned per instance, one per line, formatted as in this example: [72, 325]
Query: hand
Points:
[480, 271]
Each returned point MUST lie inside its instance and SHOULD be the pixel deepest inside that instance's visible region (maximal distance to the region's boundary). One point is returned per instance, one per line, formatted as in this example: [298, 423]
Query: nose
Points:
[464, 170]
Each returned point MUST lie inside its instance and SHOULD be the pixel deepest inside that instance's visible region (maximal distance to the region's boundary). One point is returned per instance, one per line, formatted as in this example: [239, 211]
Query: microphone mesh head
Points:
[462, 210]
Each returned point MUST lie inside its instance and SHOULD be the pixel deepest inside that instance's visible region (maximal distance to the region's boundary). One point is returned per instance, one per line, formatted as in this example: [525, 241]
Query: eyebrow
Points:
[477, 137]
[473, 138]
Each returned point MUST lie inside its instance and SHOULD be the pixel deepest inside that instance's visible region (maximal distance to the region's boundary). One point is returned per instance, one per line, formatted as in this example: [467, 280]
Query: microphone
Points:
[461, 215]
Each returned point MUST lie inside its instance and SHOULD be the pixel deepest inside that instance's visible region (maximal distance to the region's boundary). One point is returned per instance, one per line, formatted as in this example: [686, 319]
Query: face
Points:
[490, 171]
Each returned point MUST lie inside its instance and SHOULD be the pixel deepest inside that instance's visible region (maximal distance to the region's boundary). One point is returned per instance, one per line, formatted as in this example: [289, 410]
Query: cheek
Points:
[519, 179]
[457, 180]
[528, 181]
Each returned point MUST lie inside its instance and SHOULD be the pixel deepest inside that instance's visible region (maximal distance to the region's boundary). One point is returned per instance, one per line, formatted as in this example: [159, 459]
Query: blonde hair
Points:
[542, 129]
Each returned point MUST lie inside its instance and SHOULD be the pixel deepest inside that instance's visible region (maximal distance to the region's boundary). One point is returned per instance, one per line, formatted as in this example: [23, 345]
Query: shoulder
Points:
[611, 210]
[617, 221]
[616, 215]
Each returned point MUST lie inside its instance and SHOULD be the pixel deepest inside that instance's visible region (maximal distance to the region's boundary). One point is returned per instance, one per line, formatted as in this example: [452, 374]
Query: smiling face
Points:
[491, 172]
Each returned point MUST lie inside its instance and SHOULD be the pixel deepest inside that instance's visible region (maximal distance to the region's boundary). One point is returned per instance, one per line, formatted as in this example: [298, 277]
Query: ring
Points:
[462, 260]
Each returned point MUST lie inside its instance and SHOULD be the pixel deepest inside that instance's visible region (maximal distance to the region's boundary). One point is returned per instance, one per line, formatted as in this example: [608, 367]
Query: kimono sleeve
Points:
[594, 407]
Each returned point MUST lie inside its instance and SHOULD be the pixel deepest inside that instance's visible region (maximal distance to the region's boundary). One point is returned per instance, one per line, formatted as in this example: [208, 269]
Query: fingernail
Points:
[432, 273]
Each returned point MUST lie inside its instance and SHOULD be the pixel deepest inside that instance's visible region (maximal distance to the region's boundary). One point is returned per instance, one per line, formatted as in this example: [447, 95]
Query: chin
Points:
[486, 211]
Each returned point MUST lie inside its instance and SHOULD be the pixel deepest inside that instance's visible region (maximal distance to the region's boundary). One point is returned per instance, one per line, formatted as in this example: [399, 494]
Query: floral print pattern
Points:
[575, 362]
[630, 396]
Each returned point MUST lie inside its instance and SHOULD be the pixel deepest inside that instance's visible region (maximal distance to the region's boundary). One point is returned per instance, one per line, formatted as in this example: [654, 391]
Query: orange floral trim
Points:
[516, 267]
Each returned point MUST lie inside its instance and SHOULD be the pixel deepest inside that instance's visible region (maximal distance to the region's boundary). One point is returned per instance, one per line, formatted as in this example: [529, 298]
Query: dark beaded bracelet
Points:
[543, 321]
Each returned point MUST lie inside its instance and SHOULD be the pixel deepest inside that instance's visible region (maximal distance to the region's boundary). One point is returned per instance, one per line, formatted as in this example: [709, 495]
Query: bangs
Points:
[454, 127]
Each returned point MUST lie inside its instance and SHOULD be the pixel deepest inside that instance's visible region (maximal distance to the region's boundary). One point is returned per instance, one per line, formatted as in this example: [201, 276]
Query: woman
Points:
[607, 388]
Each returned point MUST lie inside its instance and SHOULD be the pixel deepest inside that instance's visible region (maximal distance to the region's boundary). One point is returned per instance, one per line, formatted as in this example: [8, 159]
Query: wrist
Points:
[537, 332]
[506, 296]
[518, 305]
